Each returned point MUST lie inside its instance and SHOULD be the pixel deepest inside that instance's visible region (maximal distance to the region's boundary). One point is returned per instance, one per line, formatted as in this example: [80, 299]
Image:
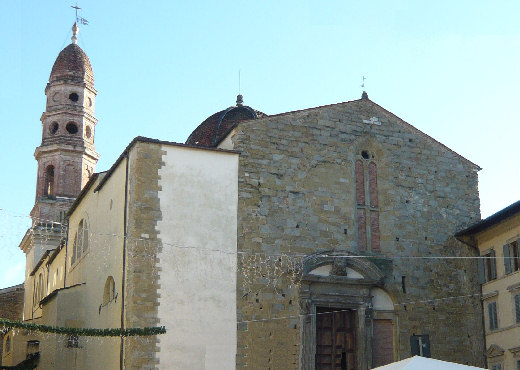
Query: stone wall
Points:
[142, 278]
[11, 307]
[297, 196]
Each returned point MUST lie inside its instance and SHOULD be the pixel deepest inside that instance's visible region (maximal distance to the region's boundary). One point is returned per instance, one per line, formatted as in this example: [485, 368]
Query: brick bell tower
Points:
[67, 156]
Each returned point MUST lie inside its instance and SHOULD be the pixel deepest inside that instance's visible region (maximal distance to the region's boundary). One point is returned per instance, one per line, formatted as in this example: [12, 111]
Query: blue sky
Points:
[450, 68]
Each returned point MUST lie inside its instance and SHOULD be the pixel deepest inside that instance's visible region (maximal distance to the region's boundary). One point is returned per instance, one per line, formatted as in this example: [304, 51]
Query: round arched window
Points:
[72, 128]
[74, 97]
[88, 132]
[109, 292]
[53, 128]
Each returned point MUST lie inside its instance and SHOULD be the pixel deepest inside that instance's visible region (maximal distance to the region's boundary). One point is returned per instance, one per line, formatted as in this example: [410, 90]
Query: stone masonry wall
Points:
[141, 297]
[297, 196]
[11, 307]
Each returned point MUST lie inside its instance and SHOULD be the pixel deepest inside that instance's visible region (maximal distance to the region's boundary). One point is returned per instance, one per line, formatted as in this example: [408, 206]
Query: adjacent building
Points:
[497, 240]
[11, 306]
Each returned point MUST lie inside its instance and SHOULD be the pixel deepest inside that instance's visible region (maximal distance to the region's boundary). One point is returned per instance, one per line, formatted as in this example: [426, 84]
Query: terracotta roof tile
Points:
[72, 64]
[210, 132]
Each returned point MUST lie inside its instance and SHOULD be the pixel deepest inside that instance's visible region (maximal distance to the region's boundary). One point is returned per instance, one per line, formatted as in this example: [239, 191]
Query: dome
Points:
[72, 64]
[210, 132]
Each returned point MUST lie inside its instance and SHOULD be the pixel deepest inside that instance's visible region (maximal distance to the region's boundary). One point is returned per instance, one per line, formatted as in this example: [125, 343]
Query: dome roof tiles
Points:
[72, 64]
[210, 132]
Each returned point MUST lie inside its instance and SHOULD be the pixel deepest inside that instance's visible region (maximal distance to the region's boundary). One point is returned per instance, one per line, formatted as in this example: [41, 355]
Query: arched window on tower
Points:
[49, 181]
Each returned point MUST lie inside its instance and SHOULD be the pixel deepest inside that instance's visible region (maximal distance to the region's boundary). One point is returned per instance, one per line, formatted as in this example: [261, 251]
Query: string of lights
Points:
[62, 228]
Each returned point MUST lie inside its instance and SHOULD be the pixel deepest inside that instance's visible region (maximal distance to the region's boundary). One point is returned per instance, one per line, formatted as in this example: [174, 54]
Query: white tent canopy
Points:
[423, 363]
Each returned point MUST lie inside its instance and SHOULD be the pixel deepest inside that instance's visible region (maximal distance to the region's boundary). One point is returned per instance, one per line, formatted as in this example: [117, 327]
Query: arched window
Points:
[74, 248]
[72, 128]
[38, 292]
[81, 241]
[49, 180]
[367, 202]
[42, 290]
[8, 344]
[83, 236]
[109, 292]
[35, 295]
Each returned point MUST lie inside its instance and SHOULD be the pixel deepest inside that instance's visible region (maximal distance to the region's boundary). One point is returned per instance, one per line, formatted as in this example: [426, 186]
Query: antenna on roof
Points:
[239, 81]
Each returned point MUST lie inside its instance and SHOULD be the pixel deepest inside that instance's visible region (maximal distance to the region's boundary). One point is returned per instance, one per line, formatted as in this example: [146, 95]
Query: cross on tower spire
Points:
[76, 7]
[75, 28]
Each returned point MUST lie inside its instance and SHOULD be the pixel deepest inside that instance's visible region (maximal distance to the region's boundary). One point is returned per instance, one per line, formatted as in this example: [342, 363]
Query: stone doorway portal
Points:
[335, 339]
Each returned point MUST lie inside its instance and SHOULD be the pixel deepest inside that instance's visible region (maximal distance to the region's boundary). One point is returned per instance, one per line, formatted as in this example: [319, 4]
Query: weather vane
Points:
[363, 83]
[80, 20]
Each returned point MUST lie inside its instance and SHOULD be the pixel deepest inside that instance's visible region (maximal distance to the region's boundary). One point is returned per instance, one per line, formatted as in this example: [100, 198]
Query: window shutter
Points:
[493, 265]
[517, 308]
[492, 313]
[507, 260]
[481, 270]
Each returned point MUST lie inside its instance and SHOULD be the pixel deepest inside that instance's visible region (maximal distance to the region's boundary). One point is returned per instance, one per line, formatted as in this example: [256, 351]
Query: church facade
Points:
[314, 239]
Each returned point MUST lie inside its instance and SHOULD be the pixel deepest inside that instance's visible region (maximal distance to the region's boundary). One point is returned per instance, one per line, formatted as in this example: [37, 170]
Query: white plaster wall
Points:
[198, 261]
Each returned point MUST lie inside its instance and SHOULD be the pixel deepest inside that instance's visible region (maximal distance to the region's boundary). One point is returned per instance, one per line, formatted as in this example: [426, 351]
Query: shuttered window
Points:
[487, 267]
[517, 309]
[492, 315]
[511, 257]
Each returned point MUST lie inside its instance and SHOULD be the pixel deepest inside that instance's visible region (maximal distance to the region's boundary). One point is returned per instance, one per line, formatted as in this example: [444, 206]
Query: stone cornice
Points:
[83, 84]
[81, 113]
[494, 351]
[489, 295]
[82, 150]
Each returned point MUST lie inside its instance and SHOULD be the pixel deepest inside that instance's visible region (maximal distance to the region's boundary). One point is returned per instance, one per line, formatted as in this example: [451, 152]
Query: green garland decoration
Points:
[85, 332]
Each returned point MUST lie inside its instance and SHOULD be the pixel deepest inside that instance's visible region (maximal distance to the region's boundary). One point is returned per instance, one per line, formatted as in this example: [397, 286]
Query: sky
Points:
[450, 68]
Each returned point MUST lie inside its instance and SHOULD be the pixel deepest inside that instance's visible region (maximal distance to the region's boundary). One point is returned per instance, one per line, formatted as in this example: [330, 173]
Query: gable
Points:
[366, 119]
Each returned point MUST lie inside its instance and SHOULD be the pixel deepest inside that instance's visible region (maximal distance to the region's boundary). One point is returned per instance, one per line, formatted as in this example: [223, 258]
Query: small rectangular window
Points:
[492, 316]
[490, 266]
[516, 303]
[511, 257]
[496, 367]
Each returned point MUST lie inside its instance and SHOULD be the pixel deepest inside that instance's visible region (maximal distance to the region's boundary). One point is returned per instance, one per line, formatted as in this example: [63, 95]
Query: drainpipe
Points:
[122, 349]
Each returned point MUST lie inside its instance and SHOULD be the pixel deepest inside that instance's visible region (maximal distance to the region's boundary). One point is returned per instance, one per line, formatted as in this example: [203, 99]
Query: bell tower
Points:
[67, 156]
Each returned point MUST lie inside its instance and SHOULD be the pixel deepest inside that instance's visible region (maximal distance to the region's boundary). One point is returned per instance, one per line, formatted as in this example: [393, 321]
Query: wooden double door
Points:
[335, 339]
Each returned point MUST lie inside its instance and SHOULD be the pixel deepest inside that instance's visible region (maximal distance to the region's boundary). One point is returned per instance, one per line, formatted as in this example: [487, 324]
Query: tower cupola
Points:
[67, 156]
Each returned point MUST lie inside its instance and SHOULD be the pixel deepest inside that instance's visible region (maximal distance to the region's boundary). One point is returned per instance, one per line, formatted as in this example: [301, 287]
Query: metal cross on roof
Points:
[77, 8]
[79, 19]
